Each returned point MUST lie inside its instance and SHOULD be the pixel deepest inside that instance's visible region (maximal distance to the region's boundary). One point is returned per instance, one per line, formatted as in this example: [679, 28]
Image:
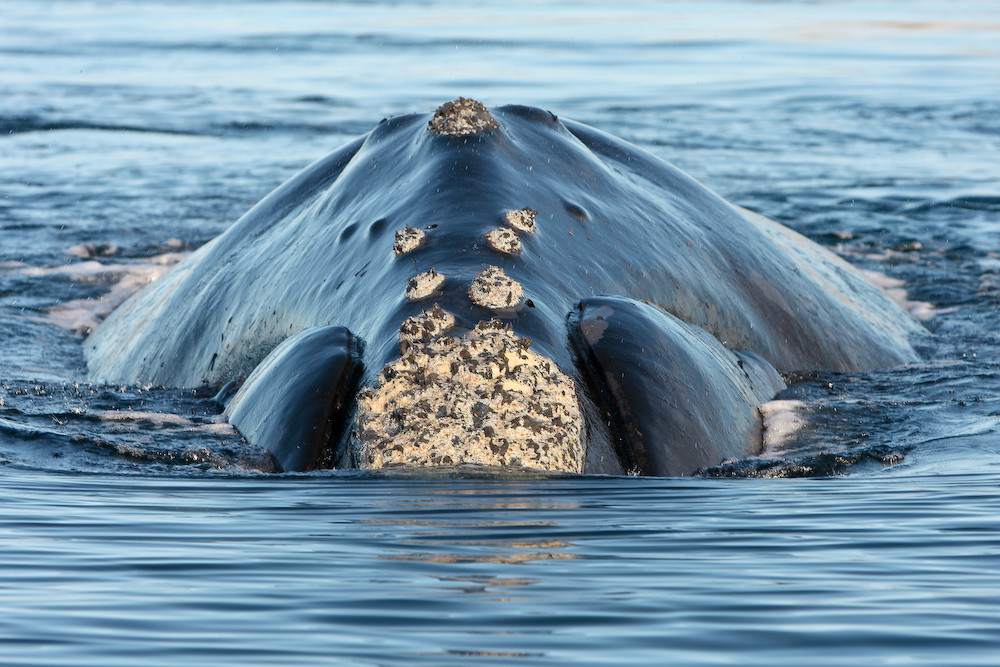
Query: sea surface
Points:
[137, 528]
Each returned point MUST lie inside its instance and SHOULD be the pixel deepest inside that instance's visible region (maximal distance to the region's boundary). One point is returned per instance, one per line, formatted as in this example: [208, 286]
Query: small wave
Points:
[81, 426]
[922, 207]
[964, 203]
[822, 464]
[25, 431]
[22, 124]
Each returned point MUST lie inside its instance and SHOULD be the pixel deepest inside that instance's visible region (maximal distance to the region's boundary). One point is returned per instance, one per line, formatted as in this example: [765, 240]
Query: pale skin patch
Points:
[424, 285]
[483, 399]
[494, 289]
[504, 240]
[424, 327]
[522, 219]
[408, 240]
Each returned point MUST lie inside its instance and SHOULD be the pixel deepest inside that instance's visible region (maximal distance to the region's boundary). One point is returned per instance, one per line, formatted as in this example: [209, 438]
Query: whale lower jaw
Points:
[481, 399]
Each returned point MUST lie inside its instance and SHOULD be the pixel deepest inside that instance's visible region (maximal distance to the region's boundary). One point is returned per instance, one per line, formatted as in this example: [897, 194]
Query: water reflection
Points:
[477, 535]
[498, 551]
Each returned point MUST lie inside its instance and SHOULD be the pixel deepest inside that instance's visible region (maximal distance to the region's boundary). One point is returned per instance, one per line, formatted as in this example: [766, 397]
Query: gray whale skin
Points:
[500, 288]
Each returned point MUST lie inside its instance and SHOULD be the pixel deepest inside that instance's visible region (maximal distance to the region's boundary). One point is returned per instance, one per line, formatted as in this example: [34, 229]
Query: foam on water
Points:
[783, 419]
[83, 315]
[897, 289]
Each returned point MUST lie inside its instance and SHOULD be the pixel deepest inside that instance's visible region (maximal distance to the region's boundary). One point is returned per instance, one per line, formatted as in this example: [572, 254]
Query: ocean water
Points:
[136, 528]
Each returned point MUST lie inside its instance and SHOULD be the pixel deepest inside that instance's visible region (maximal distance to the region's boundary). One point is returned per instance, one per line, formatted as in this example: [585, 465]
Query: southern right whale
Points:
[500, 288]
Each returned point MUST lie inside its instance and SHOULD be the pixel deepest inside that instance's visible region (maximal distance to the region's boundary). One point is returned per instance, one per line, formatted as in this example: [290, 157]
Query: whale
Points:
[502, 289]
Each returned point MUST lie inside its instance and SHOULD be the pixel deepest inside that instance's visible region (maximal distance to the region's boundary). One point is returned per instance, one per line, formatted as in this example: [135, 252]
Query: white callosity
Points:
[482, 399]
[408, 240]
[494, 289]
[424, 285]
[522, 219]
[504, 240]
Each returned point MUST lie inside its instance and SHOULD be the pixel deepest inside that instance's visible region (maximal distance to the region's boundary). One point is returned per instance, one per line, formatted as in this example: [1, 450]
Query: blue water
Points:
[103, 570]
[136, 529]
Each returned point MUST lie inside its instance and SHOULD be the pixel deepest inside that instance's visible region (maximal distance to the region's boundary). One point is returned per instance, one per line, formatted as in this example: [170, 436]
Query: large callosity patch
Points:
[482, 399]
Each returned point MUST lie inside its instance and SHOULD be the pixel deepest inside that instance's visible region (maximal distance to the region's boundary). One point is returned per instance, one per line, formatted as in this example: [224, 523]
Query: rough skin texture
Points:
[408, 240]
[493, 289]
[482, 399]
[462, 117]
[504, 240]
[424, 285]
[425, 327]
[522, 219]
